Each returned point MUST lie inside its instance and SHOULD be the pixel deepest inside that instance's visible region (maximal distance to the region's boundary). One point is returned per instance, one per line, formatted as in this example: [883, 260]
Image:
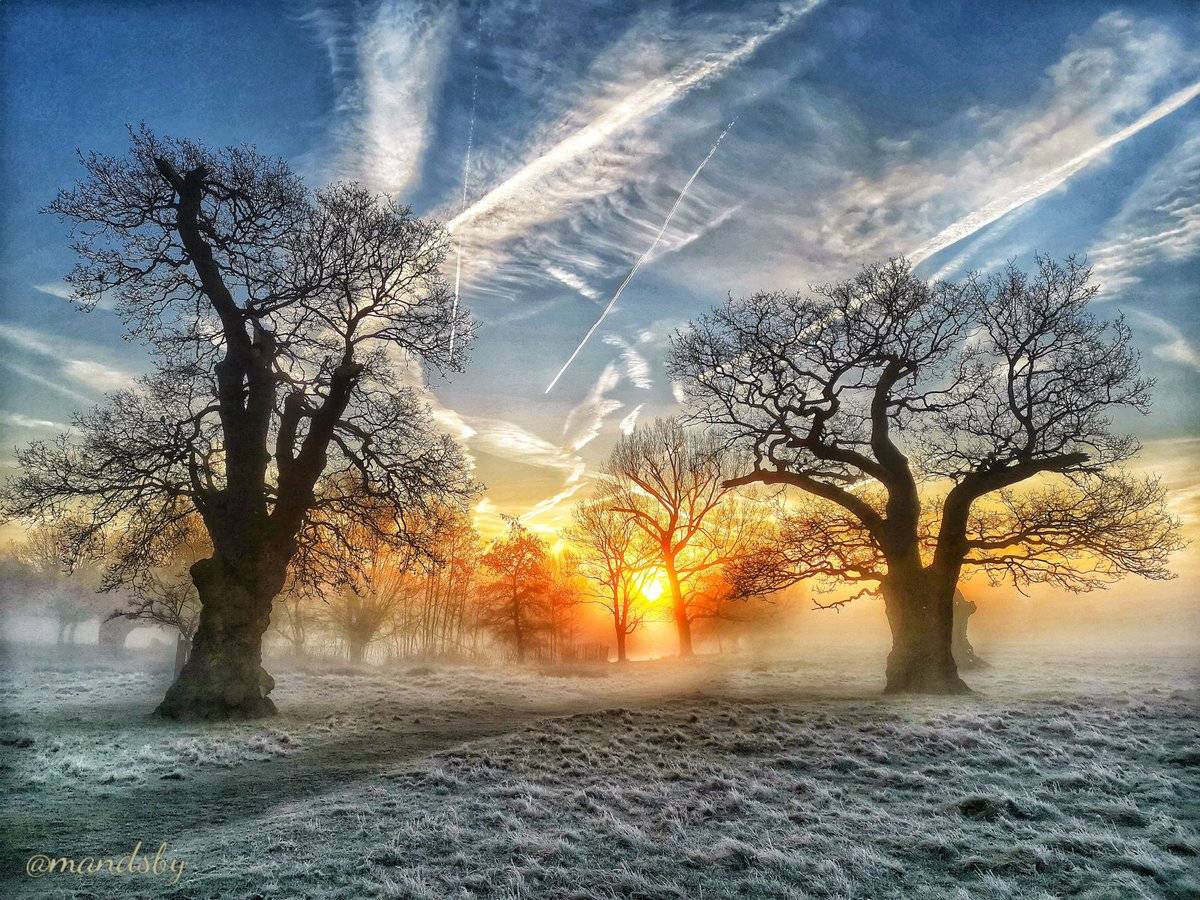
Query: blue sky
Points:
[963, 134]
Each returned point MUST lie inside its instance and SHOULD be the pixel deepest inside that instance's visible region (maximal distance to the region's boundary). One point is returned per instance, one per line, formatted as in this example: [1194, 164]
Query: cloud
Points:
[589, 189]
[1175, 347]
[1158, 222]
[55, 386]
[17, 420]
[58, 289]
[507, 207]
[387, 62]
[573, 281]
[584, 422]
[97, 375]
[69, 357]
[934, 187]
[1048, 181]
[637, 367]
[629, 422]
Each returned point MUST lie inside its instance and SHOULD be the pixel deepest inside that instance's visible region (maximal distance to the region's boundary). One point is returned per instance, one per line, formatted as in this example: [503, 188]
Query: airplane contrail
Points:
[1046, 182]
[458, 245]
[648, 100]
[641, 259]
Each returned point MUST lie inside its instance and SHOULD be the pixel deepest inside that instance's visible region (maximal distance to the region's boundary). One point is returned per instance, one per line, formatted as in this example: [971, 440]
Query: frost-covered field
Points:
[1075, 776]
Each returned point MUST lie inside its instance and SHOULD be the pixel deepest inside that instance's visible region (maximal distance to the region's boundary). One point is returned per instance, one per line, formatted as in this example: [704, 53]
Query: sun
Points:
[652, 588]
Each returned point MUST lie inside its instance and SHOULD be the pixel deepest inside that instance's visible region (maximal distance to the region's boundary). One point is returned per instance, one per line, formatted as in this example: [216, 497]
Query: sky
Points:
[554, 140]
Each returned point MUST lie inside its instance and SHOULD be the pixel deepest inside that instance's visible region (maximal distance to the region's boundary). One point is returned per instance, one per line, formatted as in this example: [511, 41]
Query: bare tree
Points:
[280, 321]
[60, 580]
[618, 558]
[294, 614]
[884, 384]
[672, 484]
[166, 596]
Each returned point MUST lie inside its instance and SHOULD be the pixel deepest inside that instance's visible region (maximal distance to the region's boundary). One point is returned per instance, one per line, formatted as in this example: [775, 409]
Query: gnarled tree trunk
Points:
[223, 677]
[920, 610]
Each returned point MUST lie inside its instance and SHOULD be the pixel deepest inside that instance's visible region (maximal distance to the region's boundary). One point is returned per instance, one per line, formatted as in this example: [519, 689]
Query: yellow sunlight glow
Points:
[652, 588]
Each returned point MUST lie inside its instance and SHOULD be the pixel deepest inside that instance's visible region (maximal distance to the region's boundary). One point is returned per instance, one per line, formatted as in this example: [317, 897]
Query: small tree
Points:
[279, 320]
[676, 487]
[617, 557]
[166, 595]
[909, 412]
[516, 606]
[294, 615]
[62, 582]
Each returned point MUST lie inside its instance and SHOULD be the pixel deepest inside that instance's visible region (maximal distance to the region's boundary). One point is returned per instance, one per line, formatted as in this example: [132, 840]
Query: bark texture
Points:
[223, 677]
[921, 618]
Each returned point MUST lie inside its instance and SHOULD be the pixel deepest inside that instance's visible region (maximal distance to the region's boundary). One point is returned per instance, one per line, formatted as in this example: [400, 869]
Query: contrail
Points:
[1000, 207]
[642, 103]
[641, 259]
[462, 206]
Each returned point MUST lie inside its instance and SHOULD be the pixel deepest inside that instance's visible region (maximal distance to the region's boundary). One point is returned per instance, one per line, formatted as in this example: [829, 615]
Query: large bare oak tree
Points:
[908, 413]
[282, 322]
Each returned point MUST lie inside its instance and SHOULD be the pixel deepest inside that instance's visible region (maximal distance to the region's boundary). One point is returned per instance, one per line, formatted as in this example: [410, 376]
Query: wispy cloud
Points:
[387, 60]
[1048, 181]
[74, 359]
[1175, 347]
[97, 375]
[1158, 222]
[629, 422]
[507, 206]
[584, 422]
[18, 420]
[59, 388]
[637, 367]
[936, 187]
[58, 289]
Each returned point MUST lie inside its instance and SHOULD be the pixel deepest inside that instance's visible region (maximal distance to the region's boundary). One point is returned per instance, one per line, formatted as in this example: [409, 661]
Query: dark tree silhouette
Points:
[883, 385]
[281, 322]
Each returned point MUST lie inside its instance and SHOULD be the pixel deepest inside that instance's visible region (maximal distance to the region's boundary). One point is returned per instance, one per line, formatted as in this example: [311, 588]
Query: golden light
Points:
[653, 586]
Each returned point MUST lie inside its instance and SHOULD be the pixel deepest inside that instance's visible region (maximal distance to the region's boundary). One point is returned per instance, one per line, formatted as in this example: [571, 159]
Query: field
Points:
[1067, 776]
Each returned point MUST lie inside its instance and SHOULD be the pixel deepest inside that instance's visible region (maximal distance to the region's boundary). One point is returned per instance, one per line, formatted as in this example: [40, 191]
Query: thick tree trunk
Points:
[683, 625]
[621, 636]
[920, 610]
[224, 678]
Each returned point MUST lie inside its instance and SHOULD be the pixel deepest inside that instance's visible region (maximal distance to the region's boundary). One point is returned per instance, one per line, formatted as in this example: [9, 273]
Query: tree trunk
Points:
[682, 624]
[920, 610]
[224, 678]
[356, 650]
[621, 636]
[964, 654]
